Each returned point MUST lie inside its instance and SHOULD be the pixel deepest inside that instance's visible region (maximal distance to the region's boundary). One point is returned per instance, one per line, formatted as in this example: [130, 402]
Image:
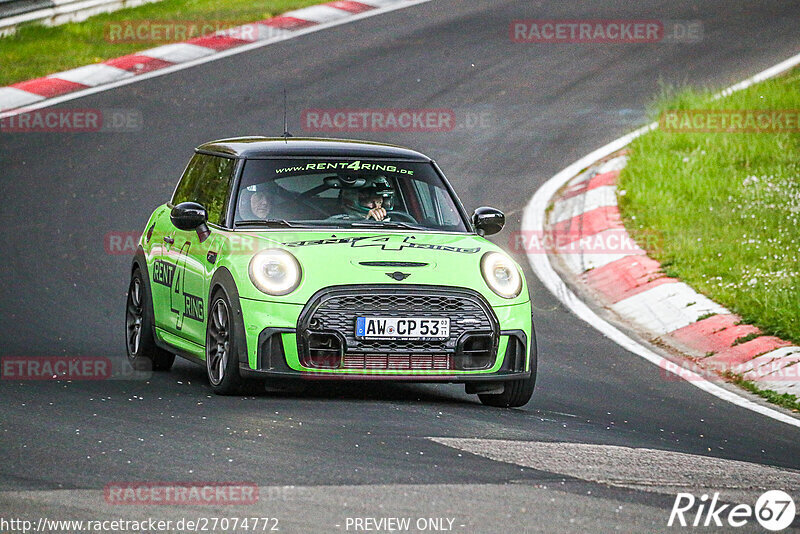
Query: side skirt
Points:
[185, 349]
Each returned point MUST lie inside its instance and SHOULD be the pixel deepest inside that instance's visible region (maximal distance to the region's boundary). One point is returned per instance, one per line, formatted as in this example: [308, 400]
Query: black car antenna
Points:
[286, 134]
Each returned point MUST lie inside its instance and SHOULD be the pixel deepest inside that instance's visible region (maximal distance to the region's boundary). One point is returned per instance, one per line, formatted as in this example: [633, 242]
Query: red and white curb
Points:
[33, 94]
[631, 287]
[635, 289]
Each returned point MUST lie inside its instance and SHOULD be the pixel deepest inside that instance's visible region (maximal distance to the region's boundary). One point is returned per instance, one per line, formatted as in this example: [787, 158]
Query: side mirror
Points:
[191, 216]
[488, 221]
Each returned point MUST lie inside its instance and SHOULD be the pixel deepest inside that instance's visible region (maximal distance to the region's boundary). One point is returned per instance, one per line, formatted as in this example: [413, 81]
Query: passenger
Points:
[254, 204]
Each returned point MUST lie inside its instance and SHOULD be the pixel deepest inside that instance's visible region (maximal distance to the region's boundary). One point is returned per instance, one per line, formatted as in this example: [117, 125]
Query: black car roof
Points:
[271, 147]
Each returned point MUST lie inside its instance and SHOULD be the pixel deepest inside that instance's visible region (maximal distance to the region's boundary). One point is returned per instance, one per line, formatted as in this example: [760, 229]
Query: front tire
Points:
[143, 353]
[222, 360]
[516, 393]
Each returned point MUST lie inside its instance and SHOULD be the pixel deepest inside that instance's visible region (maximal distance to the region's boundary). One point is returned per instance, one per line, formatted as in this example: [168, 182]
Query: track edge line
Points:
[533, 222]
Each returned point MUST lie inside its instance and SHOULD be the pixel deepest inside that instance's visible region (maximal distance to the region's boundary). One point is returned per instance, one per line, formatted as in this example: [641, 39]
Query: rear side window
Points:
[207, 180]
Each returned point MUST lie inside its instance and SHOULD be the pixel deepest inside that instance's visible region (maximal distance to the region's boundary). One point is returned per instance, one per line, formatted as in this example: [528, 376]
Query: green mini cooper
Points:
[306, 259]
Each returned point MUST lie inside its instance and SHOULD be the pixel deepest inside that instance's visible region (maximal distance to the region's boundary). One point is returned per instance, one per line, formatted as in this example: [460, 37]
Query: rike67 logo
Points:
[774, 510]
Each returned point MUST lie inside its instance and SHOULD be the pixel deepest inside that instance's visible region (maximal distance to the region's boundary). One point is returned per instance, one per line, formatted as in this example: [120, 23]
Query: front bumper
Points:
[281, 349]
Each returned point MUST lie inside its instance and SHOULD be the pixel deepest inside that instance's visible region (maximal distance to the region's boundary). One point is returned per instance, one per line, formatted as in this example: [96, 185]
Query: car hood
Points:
[346, 257]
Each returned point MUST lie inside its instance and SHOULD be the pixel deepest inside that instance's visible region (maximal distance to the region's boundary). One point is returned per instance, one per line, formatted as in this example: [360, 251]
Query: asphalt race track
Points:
[358, 450]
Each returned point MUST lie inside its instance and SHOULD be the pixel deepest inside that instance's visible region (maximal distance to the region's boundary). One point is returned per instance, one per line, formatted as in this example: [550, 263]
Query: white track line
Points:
[533, 221]
[216, 56]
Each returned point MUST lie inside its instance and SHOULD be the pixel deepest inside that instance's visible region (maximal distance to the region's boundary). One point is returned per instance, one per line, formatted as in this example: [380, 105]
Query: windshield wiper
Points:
[271, 223]
[387, 224]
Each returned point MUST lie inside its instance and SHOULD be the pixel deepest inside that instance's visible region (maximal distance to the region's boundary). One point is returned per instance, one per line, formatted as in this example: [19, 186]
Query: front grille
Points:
[392, 345]
[408, 302]
[337, 310]
[333, 312]
[398, 362]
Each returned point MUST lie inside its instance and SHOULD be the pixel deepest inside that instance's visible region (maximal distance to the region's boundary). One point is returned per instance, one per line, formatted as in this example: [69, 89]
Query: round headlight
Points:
[501, 274]
[275, 272]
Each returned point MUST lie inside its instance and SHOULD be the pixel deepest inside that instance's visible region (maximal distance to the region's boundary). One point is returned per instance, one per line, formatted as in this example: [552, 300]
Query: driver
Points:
[370, 201]
[255, 203]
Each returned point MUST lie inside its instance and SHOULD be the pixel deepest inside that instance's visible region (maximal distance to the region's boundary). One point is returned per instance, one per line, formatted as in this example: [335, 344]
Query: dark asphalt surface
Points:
[543, 106]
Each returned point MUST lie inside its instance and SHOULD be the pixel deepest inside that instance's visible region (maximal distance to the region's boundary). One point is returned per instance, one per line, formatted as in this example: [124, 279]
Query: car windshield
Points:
[345, 193]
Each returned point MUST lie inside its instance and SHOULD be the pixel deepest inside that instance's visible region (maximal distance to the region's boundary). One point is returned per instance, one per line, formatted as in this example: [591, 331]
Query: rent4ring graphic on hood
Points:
[383, 242]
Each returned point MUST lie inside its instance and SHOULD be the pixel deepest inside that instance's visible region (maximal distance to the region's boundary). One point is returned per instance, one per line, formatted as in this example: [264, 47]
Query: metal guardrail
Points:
[53, 12]
[10, 8]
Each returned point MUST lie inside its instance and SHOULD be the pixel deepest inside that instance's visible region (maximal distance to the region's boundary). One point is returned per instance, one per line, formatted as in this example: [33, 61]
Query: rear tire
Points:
[143, 353]
[222, 358]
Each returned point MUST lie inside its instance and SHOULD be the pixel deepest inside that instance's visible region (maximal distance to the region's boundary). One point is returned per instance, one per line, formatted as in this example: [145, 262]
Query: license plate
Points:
[403, 327]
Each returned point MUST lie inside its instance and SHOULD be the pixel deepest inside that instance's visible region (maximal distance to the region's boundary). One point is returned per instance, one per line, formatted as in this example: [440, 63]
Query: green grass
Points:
[37, 50]
[787, 400]
[745, 339]
[722, 210]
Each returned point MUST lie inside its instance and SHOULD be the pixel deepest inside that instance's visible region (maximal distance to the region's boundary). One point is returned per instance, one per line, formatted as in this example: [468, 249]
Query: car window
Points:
[447, 210]
[188, 184]
[341, 192]
[207, 180]
[423, 192]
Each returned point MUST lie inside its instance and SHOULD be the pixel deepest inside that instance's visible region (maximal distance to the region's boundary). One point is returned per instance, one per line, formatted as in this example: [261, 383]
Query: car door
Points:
[166, 256]
[190, 250]
[161, 271]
